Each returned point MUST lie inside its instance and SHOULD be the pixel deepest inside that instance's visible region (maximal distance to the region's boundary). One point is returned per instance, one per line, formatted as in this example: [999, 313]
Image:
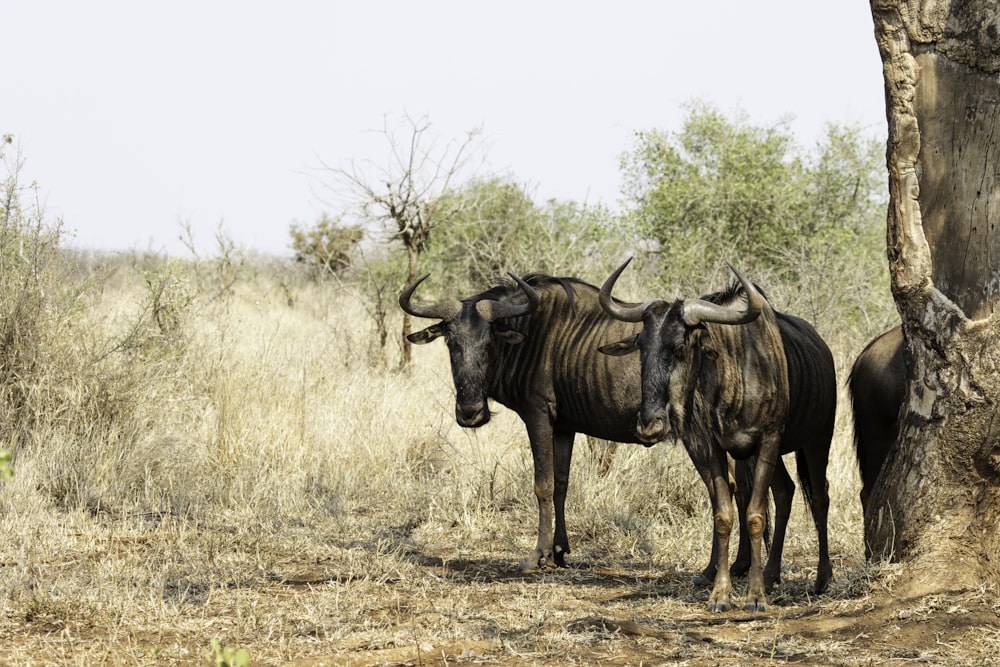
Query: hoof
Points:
[716, 607]
[559, 556]
[755, 607]
[706, 578]
[533, 562]
[822, 579]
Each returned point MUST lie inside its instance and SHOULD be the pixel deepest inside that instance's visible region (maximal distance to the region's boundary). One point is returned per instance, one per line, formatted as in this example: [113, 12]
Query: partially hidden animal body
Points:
[877, 384]
[728, 375]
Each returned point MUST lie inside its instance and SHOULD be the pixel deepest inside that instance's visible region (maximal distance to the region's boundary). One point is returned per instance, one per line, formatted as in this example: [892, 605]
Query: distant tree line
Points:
[718, 189]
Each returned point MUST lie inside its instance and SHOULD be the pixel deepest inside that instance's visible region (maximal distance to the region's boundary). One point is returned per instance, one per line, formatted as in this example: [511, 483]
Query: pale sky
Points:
[136, 117]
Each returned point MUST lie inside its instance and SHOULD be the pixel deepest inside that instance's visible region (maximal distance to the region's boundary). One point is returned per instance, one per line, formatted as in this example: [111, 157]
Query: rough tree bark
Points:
[937, 504]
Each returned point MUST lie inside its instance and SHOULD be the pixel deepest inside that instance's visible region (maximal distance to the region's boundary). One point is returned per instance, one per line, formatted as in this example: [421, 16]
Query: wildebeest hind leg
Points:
[812, 466]
[740, 474]
[783, 490]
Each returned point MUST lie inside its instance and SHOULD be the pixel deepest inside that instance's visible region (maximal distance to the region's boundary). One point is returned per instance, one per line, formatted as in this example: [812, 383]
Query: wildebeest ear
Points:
[426, 335]
[622, 347]
[510, 336]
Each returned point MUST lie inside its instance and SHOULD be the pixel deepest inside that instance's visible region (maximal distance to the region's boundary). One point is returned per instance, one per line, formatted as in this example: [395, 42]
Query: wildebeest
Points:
[534, 346]
[727, 374]
[877, 384]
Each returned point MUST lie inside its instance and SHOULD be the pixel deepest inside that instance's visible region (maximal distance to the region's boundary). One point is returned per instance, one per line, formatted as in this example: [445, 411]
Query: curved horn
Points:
[498, 310]
[615, 309]
[443, 310]
[696, 311]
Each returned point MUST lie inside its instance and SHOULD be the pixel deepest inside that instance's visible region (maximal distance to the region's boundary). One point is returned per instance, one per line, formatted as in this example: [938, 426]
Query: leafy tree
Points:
[727, 190]
[578, 239]
[489, 224]
[724, 181]
[739, 184]
[495, 227]
[327, 245]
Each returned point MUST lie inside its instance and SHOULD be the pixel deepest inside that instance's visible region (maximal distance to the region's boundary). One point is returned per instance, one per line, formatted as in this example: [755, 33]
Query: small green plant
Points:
[6, 469]
[220, 655]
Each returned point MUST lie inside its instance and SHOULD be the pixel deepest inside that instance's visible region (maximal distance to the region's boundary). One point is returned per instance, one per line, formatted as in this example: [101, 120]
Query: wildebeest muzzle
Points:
[652, 428]
[471, 415]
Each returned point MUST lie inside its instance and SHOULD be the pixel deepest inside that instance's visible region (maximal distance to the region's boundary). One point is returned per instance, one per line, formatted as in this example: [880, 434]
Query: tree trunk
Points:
[936, 507]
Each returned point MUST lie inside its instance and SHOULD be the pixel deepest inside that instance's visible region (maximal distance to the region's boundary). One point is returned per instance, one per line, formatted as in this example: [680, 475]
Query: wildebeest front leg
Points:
[739, 485]
[562, 454]
[767, 457]
[542, 453]
[722, 505]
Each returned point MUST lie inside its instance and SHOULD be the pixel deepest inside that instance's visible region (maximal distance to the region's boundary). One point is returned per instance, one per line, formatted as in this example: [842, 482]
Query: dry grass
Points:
[252, 475]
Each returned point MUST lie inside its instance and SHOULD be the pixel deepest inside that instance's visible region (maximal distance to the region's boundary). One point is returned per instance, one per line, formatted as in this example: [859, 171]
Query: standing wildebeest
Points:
[729, 375]
[534, 347]
[877, 383]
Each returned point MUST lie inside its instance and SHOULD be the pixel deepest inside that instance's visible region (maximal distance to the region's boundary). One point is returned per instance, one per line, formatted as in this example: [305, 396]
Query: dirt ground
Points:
[406, 598]
[639, 616]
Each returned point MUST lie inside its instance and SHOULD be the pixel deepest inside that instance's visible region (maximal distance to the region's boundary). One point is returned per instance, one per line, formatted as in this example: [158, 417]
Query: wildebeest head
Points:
[470, 327]
[673, 336]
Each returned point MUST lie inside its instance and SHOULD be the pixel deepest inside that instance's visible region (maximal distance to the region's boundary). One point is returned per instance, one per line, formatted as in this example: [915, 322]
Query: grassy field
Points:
[250, 468]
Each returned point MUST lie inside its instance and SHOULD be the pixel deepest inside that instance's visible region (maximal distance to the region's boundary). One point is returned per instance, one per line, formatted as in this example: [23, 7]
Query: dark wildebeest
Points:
[534, 347]
[877, 383]
[729, 375]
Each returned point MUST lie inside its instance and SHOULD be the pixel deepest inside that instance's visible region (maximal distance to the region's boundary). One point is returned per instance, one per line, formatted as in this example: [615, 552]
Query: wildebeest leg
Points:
[722, 520]
[707, 576]
[767, 459]
[740, 474]
[783, 491]
[812, 466]
[739, 484]
[542, 452]
[563, 454]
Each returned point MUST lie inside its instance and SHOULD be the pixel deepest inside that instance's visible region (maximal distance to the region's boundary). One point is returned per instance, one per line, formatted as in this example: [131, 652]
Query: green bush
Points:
[326, 246]
[807, 223]
[491, 226]
[36, 302]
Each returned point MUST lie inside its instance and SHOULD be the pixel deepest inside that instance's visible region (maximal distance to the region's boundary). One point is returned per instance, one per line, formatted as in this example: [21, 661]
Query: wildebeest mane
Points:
[730, 294]
[541, 282]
